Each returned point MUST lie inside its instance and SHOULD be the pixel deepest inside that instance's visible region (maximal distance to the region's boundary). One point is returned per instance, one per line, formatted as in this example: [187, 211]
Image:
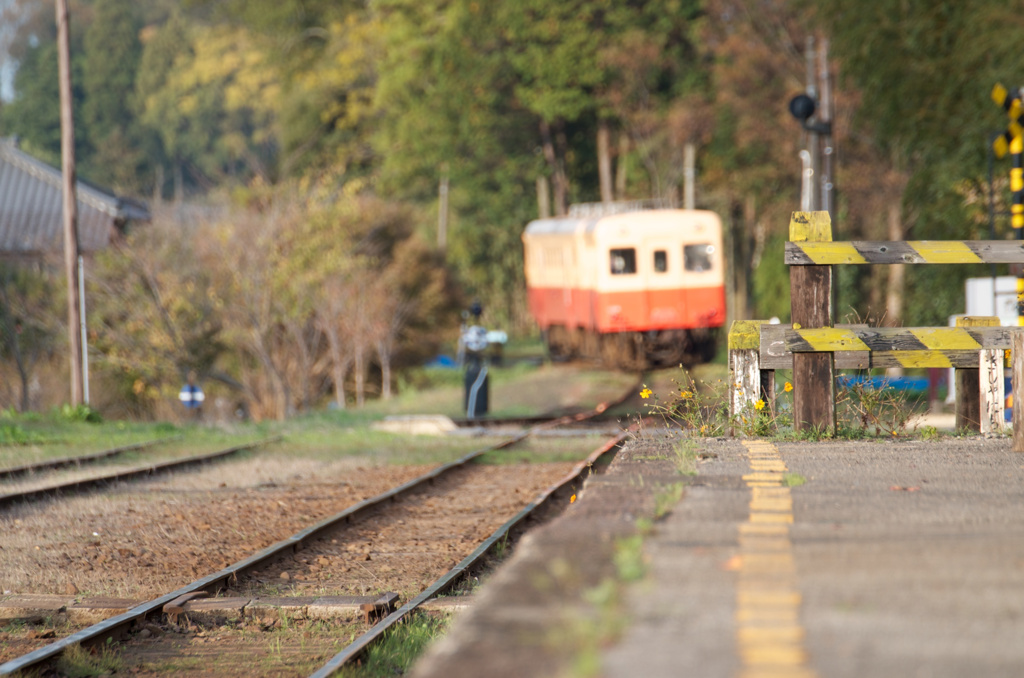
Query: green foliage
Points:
[381, 100]
[111, 58]
[13, 434]
[79, 414]
[699, 407]
[401, 645]
[861, 411]
[78, 662]
[29, 329]
[630, 561]
[882, 411]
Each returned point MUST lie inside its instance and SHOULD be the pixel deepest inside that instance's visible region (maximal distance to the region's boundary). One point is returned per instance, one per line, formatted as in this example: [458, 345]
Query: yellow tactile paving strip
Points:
[769, 636]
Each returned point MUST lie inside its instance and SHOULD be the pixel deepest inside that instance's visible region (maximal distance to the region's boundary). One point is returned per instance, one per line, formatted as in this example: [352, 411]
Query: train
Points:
[633, 288]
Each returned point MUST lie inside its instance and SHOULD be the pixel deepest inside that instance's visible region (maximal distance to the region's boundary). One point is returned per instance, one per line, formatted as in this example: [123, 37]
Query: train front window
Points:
[697, 258]
[660, 261]
[623, 261]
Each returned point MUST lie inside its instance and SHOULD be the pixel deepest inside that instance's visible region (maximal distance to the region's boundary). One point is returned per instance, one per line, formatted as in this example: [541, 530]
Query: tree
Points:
[214, 104]
[28, 331]
[156, 316]
[111, 57]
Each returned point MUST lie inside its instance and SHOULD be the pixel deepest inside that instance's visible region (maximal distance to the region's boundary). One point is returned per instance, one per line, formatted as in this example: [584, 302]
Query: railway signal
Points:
[1012, 142]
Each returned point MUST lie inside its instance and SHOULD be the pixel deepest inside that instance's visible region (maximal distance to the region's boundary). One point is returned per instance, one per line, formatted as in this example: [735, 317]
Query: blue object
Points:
[897, 383]
[191, 396]
[442, 361]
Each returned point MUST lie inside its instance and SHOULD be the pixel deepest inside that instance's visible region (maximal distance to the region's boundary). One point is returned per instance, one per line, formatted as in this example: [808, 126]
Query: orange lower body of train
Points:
[631, 329]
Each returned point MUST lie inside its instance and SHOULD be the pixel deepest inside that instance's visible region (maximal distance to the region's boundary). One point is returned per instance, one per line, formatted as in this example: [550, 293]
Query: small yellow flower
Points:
[788, 387]
[572, 499]
[646, 393]
[685, 395]
[759, 405]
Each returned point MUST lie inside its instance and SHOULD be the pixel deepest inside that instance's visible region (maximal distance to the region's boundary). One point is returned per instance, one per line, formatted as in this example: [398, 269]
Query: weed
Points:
[401, 645]
[78, 662]
[79, 413]
[883, 411]
[699, 407]
[793, 480]
[666, 499]
[862, 411]
[630, 563]
[13, 434]
[686, 457]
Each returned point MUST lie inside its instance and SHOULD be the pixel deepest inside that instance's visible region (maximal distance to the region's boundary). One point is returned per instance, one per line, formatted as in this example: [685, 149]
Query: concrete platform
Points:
[863, 558]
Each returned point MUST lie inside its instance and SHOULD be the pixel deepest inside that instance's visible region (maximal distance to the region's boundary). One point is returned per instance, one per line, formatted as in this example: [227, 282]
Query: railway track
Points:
[372, 525]
[70, 487]
[10, 472]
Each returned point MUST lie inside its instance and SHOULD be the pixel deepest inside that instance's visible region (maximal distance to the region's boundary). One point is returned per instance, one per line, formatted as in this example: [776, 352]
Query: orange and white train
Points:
[636, 289]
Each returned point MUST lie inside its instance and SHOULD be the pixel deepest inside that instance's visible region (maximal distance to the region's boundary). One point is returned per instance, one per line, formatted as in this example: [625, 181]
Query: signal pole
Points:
[1012, 141]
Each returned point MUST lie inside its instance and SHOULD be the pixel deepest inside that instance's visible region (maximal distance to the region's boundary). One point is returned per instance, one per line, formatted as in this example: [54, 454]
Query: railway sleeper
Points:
[197, 608]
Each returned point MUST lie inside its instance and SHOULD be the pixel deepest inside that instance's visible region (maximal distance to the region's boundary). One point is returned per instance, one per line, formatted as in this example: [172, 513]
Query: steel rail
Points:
[52, 464]
[119, 625]
[148, 470]
[449, 579]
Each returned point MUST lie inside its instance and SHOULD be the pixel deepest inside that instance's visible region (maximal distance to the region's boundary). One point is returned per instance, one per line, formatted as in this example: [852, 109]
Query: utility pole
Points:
[825, 120]
[442, 211]
[813, 144]
[1012, 141]
[70, 202]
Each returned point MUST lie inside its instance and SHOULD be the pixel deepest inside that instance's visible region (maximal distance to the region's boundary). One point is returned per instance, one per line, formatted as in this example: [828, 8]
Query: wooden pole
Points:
[1018, 384]
[543, 198]
[70, 202]
[689, 176]
[814, 384]
[968, 382]
[604, 161]
[442, 212]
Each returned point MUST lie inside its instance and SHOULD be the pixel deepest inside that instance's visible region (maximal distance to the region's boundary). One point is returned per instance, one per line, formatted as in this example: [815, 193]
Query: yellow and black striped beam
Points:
[905, 252]
[897, 346]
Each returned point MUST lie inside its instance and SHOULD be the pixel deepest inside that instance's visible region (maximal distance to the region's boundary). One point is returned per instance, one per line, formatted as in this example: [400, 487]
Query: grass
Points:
[793, 480]
[665, 500]
[78, 662]
[401, 645]
[686, 456]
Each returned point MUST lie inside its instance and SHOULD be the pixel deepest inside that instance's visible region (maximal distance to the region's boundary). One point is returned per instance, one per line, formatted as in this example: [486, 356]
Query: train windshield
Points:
[660, 261]
[623, 261]
[697, 258]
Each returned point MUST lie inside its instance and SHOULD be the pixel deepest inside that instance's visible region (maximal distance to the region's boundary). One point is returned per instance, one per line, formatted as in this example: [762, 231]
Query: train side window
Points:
[697, 258]
[623, 261]
[660, 261]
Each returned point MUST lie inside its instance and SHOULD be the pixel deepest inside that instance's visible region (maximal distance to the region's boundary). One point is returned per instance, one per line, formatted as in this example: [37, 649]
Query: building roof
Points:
[31, 207]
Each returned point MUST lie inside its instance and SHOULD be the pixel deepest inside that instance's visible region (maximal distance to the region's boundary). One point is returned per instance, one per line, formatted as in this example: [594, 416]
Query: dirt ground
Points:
[143, 540]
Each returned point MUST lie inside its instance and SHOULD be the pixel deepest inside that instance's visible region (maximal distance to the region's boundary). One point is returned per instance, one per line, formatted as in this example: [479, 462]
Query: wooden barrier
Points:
[815, 349]
[977, 349]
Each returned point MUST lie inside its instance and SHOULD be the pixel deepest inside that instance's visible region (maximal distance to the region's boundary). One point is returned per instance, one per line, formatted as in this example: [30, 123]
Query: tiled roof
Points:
[31, 207]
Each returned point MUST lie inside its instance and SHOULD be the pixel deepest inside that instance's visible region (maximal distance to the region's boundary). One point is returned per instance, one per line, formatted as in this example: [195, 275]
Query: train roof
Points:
[569, 225]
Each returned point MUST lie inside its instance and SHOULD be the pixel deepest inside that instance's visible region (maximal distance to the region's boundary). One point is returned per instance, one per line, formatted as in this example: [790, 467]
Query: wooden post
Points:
[814, 384]
[748, 383]
[968, 382]
[70, 200]
[992, 383]
[1018, 384]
